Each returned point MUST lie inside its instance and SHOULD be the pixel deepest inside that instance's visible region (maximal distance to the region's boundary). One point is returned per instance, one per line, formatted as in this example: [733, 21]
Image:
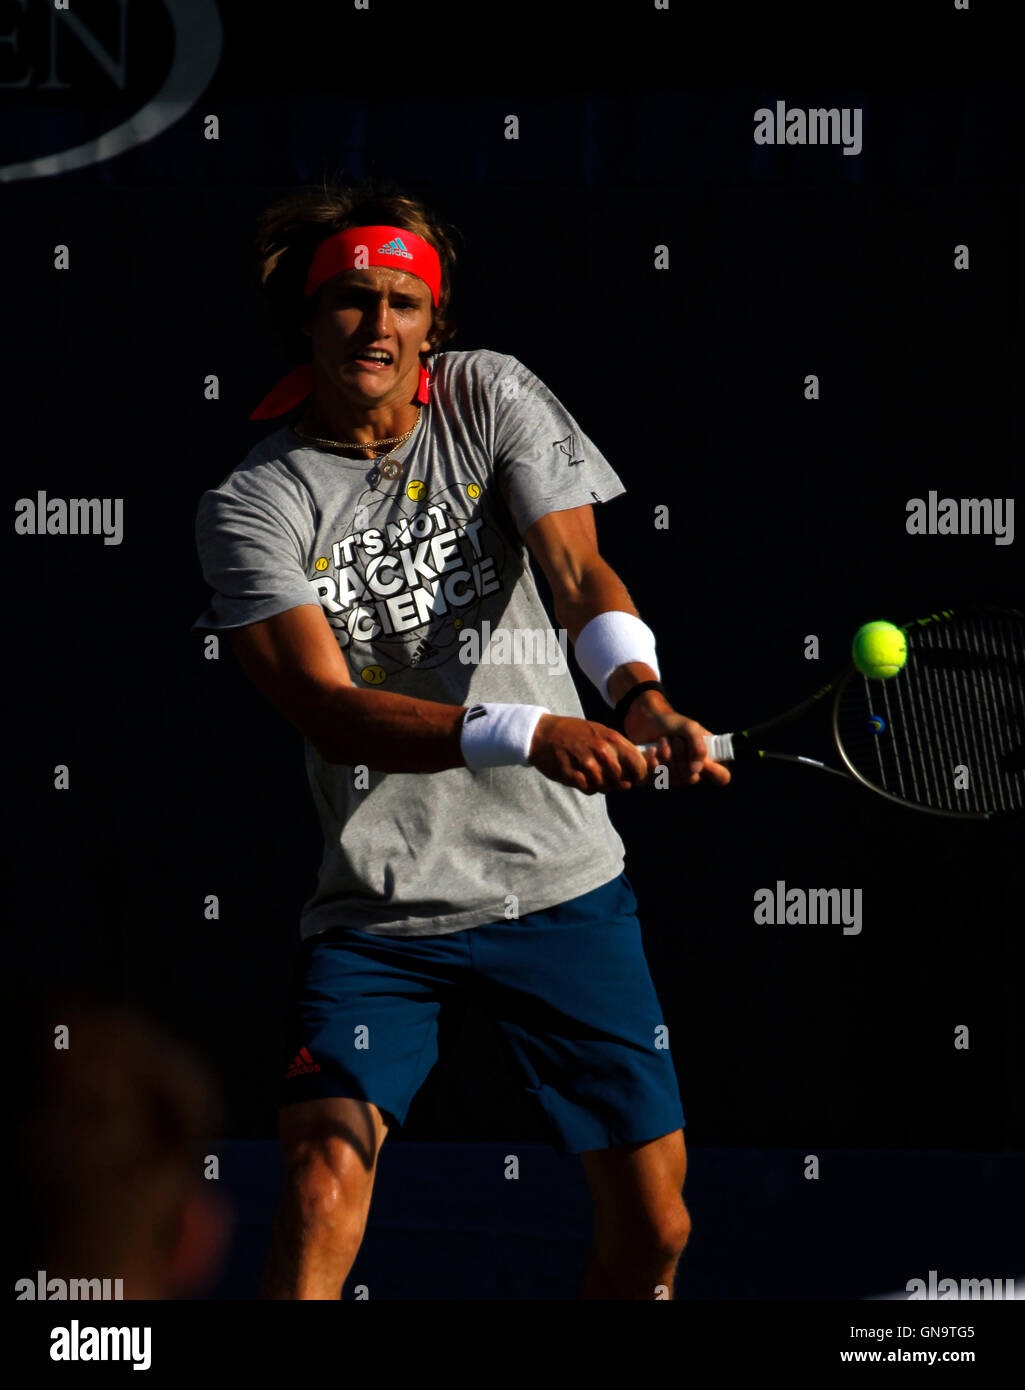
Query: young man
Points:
[361, 558]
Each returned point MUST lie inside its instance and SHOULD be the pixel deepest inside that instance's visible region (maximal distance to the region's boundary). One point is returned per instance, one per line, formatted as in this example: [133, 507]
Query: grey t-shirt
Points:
[411, 572]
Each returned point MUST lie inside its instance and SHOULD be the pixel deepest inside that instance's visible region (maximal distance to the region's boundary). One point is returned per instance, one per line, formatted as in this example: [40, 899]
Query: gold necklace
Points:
[360, 443]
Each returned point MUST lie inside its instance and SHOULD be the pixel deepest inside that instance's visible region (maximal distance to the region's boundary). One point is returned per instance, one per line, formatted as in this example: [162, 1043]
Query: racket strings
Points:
[948, 731]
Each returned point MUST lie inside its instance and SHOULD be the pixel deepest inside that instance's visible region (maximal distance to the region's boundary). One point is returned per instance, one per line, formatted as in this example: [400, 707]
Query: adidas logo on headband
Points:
[394, 248]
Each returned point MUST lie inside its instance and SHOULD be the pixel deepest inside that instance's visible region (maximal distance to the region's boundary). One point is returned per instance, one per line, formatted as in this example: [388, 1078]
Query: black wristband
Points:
[631, 695]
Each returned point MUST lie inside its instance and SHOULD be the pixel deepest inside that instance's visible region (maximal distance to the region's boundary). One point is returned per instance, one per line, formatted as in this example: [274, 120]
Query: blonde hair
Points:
[289, 232]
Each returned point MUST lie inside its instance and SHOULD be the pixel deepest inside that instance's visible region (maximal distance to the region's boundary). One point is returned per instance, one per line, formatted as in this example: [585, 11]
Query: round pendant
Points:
[390, 468]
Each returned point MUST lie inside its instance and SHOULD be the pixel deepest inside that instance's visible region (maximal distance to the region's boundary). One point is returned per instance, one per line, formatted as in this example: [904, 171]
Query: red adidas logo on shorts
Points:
[301, 1064]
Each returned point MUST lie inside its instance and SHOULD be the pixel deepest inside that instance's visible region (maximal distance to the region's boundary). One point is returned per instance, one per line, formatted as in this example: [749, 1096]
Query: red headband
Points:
[355, 249]
[358, 247]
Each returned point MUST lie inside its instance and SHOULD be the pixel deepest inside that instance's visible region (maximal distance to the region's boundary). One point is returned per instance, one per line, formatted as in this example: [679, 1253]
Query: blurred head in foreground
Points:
[111, 1158]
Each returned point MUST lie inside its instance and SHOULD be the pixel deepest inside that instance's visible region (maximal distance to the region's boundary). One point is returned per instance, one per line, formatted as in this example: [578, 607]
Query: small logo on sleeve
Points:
[302, 1064]
[568, 447]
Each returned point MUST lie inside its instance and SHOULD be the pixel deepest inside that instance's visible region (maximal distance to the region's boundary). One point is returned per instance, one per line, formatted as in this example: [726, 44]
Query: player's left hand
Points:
[681, 746]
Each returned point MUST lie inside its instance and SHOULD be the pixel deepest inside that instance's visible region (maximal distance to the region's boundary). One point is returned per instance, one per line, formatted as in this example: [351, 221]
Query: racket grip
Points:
[719, 746]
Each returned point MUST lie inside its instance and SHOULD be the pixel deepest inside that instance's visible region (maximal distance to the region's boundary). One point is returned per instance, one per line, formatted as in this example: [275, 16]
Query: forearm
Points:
[387, 732]
[398, 733]
[600, 590]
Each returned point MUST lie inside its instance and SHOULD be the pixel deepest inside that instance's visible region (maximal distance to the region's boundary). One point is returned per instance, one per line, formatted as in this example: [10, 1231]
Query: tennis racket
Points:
[946, 735]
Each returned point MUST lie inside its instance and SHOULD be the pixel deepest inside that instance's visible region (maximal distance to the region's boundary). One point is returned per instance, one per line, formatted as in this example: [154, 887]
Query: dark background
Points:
[787, 518]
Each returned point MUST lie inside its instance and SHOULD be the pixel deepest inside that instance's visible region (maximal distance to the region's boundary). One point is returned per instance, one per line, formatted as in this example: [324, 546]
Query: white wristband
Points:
[495, 735]
[611, 640]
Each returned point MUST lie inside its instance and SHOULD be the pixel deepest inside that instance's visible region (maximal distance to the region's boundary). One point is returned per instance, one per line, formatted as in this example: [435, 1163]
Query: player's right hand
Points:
[587, 756]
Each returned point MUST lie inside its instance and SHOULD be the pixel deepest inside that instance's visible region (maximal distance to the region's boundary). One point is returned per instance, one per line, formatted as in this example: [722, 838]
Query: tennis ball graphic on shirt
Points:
[373, 675]
[416, 490]
[322, 564]
[472, 490]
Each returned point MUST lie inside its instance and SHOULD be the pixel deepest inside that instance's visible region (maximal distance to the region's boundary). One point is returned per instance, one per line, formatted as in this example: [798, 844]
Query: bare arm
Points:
[294, 659]
[583, 585]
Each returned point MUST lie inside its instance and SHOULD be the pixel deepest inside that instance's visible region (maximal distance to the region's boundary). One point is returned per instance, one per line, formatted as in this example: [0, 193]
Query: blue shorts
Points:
[569, 989]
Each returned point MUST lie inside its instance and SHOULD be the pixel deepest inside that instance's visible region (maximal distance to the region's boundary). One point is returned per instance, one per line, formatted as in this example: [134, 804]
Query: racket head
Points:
[946, 735]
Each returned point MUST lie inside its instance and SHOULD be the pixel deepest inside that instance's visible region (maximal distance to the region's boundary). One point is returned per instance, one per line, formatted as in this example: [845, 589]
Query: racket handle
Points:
[719, 746]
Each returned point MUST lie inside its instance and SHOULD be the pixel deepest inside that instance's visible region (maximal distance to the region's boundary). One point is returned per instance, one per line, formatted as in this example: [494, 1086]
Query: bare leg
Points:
[640, 1222]
[330, 1149]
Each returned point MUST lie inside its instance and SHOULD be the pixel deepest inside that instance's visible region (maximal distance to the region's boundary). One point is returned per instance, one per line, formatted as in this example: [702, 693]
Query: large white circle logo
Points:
[198, 37]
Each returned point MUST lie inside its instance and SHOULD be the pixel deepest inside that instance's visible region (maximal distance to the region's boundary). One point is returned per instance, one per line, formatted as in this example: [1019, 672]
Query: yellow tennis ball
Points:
[879, 650]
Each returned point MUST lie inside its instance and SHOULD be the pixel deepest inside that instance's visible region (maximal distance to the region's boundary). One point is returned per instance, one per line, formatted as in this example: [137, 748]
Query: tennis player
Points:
[369, 560]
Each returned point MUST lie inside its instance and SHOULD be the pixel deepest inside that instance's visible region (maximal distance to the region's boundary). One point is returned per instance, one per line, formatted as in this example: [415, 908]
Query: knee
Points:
[653, 1244]
[319, 1196]
[670, 1234]
[679, 1231]
[328, 1192]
